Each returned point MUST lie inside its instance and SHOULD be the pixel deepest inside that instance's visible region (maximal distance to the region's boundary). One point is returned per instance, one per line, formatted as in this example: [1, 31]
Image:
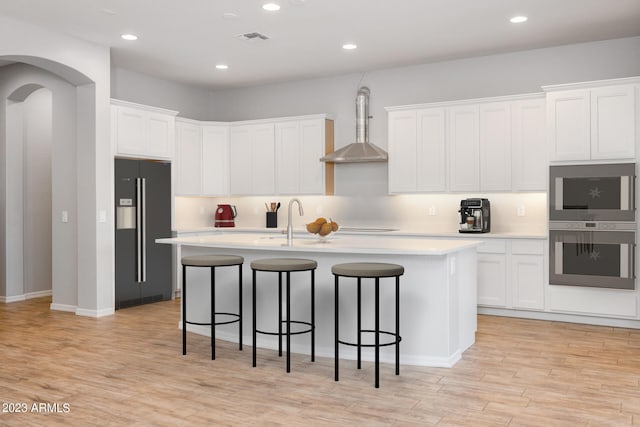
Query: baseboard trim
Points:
[95, 313]
[63, 307]
[561, 317]
[24, 297]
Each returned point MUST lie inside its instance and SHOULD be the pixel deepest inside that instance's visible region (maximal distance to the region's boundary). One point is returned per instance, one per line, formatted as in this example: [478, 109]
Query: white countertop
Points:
[335, 243]
[375, 231]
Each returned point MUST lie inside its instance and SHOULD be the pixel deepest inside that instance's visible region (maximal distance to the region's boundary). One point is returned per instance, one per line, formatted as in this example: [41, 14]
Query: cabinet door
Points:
[263, 179]
[160, 135]
[402, 167]
[312, 144]
[529, 158]
[527, 281]
[613, 122]
[462, 135]
[495, 146]
[189, 160]
[131, 131]
[240, 160]
[215, 160]
[492, 279]
[431, 150]
[568, 120]
[288, 156]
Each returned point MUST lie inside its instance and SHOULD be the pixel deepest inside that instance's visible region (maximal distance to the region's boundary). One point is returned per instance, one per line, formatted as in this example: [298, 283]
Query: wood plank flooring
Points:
[128, 370]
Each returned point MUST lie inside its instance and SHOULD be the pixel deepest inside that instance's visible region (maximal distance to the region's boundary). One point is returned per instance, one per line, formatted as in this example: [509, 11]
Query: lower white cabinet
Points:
[511, 274]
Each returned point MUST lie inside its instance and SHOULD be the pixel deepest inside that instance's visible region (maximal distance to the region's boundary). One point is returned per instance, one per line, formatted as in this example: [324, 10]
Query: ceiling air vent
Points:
[252, 37]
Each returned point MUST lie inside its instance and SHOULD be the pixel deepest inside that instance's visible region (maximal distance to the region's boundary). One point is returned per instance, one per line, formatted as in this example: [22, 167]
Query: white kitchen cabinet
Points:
[592, 121]
[215, 160]
[529, 158]
[495, 146]
[613, 122]
[463, 147]
[252, 159]
[492, 273]
[188, 159]
[527, 274]
[142, 131]
[299, 146]
[403, 149]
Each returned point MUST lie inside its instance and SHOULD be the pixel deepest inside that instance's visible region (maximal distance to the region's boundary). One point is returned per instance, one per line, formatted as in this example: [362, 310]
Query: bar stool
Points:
[285, 265]
[372, 270]
[211, 261]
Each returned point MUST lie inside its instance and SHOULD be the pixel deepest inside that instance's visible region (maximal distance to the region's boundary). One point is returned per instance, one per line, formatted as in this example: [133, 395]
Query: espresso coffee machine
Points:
[475, 216]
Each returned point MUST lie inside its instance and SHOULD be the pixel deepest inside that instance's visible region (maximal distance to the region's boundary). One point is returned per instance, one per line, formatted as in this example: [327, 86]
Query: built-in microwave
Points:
[594, 192]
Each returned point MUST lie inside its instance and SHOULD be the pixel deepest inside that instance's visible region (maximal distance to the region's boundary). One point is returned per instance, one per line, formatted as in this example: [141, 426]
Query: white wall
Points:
[87, 67]
[37, 140]
[189, 101]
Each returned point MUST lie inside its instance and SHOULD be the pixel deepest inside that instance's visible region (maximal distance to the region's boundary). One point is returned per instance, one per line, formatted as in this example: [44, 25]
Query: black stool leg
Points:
[184, 310]
[253, 293]
[335, 322]
[240, 305]
[313, 316]
[288, 322]
[377, 346]
[397, 325]
[213, 313]
[359, 324]
[280, 314]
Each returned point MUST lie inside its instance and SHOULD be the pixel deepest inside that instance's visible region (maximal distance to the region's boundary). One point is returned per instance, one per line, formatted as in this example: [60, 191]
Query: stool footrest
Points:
[236, 320]
[298, 322]
[391, 334]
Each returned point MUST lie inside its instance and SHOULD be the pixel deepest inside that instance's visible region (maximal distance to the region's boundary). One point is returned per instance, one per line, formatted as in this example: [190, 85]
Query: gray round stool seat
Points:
[367, 269]
[283, 264]
[212, 260]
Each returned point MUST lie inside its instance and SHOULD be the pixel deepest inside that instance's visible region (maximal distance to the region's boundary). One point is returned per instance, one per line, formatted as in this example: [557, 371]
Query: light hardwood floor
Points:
[128, 370]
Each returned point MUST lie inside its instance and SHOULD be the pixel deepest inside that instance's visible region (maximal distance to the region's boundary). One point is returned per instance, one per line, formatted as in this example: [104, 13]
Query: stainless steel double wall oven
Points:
[592, 225]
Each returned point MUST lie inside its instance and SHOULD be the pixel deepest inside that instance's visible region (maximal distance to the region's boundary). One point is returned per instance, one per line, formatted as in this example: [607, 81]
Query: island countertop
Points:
[330, 244]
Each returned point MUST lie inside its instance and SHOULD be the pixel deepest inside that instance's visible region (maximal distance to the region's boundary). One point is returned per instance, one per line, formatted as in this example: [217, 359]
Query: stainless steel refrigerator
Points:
[143, 214]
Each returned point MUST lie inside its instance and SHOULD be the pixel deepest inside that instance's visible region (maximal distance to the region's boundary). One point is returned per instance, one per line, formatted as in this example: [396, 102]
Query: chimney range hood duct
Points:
[361, 150]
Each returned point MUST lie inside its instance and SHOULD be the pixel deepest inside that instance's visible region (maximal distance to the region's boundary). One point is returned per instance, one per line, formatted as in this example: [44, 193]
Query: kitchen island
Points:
[437, 292]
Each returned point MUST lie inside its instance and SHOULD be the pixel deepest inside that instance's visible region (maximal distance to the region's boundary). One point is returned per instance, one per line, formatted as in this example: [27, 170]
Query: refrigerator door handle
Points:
[144, 229]
[140, 231]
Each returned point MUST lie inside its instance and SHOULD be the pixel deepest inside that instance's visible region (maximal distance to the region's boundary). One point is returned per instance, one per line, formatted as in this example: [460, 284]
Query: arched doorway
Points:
[29, 134]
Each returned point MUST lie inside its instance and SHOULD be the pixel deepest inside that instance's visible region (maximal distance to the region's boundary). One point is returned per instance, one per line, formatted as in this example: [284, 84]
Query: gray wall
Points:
[190, 101]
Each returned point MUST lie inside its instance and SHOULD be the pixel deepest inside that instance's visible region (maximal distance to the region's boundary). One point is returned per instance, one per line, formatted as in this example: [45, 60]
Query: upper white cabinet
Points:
[592, 121]
[252, 159]
[529, 160]
[463, 139]
[142, 131]
[299, 146]
[493, 144]
[201, 159]
[417, 150]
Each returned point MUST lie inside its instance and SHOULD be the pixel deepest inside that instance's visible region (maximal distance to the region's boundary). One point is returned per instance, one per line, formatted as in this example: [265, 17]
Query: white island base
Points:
[437, 293]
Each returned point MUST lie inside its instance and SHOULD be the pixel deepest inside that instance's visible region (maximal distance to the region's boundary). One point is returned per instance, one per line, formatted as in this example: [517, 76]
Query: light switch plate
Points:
[64, 217]
[520, 211]
[102, 216]
[432, 210]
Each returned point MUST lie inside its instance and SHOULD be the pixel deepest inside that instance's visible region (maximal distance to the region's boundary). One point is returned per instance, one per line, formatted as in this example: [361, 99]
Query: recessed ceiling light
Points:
[271, 7]
[349, 46]
[518, 19]
[222, 66]
[130, 37]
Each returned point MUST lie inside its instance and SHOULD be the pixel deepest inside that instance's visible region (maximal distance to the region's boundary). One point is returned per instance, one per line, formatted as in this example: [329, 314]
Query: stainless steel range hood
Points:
[361, 150]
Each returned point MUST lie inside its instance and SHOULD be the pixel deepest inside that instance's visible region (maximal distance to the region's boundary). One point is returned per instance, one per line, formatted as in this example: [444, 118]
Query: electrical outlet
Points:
[65, 216]
[432, 210]
[520, 211]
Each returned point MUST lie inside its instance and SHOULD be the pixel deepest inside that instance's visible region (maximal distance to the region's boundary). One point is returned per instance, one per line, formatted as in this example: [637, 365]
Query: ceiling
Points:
[184, 40]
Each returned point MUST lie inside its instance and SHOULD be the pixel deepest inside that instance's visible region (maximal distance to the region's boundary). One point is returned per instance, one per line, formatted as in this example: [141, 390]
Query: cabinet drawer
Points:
[527, 247]
[493, 247]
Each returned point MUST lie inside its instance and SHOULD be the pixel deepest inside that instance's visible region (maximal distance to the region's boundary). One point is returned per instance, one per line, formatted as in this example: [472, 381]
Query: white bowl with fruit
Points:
[322, 227]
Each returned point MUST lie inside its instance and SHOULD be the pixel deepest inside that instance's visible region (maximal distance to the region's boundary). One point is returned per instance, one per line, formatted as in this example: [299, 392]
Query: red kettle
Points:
[225, 215]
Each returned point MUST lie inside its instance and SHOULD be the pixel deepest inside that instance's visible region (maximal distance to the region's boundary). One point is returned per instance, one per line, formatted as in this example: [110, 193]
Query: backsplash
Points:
[431, 212]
